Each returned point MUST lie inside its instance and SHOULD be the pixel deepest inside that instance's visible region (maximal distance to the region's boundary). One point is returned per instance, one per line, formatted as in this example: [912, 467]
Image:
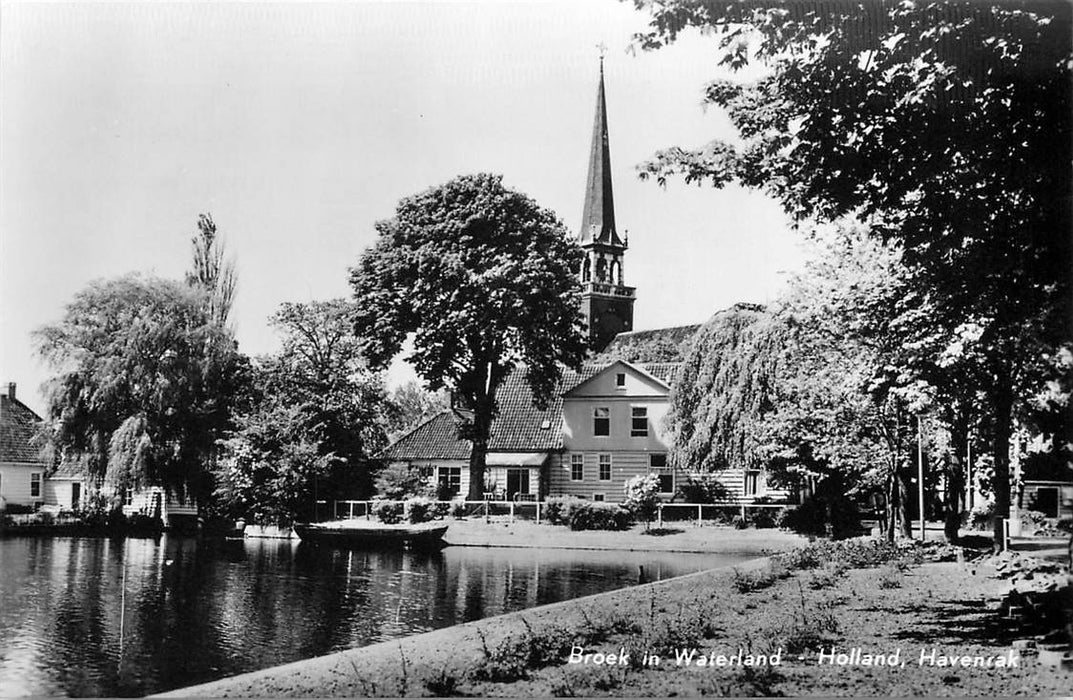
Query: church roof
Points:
[519, 426]
[598, 216]
[18, 426]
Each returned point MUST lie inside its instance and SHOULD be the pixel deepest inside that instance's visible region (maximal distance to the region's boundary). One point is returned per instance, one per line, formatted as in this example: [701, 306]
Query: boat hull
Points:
[373, 537]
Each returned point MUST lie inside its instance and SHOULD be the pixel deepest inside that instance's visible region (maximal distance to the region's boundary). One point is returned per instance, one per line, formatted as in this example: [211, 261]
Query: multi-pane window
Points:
[128, 497]
[605, 467]
[752, 482]
[451, 479]
[658, 464]
[597, 497]
[601, 421]
[35, 485]
[639, 421]
[577, 467]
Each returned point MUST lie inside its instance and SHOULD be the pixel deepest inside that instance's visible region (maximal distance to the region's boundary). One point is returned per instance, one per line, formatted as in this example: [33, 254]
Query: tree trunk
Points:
[955, 480]
[905, 528]
[476, 469]
[1002, 407]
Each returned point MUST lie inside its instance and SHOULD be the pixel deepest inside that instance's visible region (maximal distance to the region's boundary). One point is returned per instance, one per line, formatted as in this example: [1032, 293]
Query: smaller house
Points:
[1047, 487]
[22, 471]
[67, 488]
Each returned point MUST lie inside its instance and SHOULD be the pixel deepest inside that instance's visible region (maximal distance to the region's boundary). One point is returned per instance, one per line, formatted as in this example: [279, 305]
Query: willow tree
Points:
[143, 382]
[947, 125]
[802, 388]
[485, 279]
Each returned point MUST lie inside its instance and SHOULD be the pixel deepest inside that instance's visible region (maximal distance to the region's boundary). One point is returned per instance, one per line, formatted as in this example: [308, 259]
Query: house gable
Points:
[620, 379]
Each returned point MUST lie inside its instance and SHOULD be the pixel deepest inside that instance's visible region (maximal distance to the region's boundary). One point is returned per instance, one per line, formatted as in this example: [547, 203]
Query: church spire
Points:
[598, 217]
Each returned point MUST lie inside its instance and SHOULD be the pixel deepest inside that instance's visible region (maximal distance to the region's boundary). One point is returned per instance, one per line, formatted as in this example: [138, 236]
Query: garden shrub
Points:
[763, 518]
[1032, 521]
[739, 523]
[458, 508]
[703, 488]
[642, 497]
[419, 510]
[557, 509]
[587, 515]
[388, 512]
[811, 517]
[980, 517]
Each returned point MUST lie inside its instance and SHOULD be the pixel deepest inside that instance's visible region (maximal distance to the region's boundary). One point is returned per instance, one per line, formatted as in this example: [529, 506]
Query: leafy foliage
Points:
[211, 272]
[485, 280]
[272, 467]
[642, 497]
[144, 382]
[947, 128]
[410, 404]
[397, 481]
[314, 422]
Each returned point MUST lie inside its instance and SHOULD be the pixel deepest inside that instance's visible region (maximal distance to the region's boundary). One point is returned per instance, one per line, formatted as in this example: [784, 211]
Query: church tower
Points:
[606, 302]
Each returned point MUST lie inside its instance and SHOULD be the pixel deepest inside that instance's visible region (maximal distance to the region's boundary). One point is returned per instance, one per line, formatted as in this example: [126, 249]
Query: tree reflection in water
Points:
[197, 610]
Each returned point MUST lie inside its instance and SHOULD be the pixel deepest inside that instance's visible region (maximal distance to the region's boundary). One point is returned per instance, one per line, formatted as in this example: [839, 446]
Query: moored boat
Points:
[364, 533]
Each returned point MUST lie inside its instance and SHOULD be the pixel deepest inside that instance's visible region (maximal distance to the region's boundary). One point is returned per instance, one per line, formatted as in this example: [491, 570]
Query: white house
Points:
[22, 471]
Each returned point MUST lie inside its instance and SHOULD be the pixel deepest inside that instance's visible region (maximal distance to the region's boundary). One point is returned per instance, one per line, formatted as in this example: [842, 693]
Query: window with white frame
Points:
[658, 464]
[128, 497]
[639, 421]
[577, 467]
[605, 467]
[601, 421]
[620, 379]
[451, 479]
[752, 482]
[35, 485]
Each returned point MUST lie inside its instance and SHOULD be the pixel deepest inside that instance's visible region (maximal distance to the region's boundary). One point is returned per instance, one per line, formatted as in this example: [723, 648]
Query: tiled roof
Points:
[18, 425]
[519, 427]
[436, 438]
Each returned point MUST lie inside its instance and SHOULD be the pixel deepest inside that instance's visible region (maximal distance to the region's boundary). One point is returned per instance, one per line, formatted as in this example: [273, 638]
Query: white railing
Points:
[693, 512]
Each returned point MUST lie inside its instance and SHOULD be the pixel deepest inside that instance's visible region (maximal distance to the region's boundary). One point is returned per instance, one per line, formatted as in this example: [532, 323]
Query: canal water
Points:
[101, 617]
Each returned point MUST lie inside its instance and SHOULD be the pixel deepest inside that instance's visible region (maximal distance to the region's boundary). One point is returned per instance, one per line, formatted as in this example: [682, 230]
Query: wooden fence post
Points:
[659, 515]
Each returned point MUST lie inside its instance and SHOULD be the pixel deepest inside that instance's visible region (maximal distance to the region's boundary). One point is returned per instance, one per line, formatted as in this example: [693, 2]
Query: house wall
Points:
[58, 492]
[15, 483]
[172, 508]
[1064, 491]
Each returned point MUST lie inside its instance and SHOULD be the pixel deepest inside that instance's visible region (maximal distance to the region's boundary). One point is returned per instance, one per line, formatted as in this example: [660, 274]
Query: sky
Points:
[299, 125]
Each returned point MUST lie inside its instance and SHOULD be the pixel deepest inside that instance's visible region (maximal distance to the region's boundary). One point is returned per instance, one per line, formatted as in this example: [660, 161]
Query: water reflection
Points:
[91, 617]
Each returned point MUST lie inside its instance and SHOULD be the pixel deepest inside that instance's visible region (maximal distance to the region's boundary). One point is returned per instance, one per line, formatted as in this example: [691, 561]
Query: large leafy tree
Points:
[316, 419]
[143, 384]
[486, 281]
[947, 126]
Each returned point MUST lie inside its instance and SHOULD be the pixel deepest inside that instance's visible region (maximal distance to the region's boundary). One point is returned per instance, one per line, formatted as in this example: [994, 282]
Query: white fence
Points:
[695, 513]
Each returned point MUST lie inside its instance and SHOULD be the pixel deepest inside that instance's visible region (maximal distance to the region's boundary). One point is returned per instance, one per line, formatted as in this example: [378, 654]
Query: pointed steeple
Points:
[598, 217]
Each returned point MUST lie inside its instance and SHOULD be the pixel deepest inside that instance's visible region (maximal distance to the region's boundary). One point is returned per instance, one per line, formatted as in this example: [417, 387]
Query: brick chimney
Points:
[11, 391]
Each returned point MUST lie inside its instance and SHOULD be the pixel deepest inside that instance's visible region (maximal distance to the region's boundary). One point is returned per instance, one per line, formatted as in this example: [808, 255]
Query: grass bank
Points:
[475, 532]
[824, 598]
